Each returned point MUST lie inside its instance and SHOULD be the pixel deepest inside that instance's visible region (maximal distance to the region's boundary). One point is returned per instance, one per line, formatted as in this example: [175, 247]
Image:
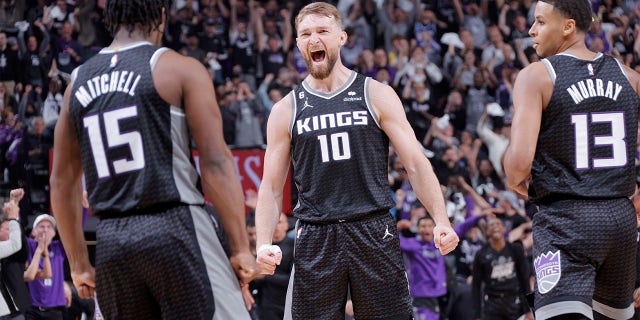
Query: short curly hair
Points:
[578, 10]
[143, 14]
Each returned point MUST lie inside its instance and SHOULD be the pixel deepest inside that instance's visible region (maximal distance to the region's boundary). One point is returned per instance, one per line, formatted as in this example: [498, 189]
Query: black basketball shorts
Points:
[361, 257]
[584, 258]
[166, 265]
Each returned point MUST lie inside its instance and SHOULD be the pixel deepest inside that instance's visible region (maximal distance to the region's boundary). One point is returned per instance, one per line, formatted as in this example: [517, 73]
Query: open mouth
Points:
[317, 56]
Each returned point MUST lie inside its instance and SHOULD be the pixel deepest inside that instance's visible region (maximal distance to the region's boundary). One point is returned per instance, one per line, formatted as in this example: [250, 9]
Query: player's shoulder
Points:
[282, 107]
[633, 76]
[535, 74]
[379, 91]
[175, 65]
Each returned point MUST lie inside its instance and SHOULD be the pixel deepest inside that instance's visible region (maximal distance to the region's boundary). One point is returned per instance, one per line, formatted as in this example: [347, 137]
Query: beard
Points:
[322, 71]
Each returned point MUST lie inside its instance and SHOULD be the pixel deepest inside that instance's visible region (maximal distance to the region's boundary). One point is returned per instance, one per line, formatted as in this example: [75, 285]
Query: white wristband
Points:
[272, 248]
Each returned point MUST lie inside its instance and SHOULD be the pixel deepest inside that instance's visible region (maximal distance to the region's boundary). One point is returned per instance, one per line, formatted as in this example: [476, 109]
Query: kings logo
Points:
[548, 270]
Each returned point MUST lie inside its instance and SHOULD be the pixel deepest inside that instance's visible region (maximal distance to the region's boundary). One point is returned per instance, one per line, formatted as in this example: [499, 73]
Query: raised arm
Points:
[393, 121]
[14, 244]
[276, 168]
[286, 30]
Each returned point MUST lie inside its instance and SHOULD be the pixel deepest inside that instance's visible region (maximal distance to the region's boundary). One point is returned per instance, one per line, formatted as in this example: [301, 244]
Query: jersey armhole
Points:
[552, 72]
[367, 100]
[624, 72]
[74, 74]
[294, 110]
[156, 56]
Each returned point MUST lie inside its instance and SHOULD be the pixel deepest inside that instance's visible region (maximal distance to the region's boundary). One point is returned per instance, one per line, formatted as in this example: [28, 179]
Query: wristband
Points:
[272, 248]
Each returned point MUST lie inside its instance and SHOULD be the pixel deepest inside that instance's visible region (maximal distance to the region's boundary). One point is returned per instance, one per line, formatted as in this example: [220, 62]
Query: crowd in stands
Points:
[452, 62]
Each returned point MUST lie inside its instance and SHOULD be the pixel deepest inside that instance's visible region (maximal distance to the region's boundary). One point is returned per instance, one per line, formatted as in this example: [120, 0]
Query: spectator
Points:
[47, 294]
[215, 47]
[33, 56]
[51, 107]
[13, 269]
[473, 20]
[11, 11]
[283, 82]
[495, 134]
[427, 271]
[243, 40]
[464, 74]
[9, 66]
[477, 97]
[441, 136]
[192, 49]
[57, 15]
[352, 49]
[449, 164]
[273, 57]
[501, 267]
[66, 52]
[396, 21]
[12, 247]
[418, 107]
[248, 111]
[381, 61]
[268, 97]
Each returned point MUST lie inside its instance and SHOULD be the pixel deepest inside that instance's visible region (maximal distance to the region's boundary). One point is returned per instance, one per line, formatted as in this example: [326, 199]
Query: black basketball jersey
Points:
[339, 153]
[134, 145]
[587, 141]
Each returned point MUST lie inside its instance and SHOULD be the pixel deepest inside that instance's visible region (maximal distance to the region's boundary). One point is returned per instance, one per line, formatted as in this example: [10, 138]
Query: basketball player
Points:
[572, 149]
[126, 122]
[336, 128]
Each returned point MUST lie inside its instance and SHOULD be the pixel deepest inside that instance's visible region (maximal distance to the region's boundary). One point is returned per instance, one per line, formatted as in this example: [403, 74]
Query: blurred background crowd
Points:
[452, 62]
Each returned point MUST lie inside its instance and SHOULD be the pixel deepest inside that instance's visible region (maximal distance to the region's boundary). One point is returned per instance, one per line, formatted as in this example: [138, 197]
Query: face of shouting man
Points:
[319, 39]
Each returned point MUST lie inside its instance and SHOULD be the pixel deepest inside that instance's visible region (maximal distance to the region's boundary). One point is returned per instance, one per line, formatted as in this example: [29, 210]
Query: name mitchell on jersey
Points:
[116, 81]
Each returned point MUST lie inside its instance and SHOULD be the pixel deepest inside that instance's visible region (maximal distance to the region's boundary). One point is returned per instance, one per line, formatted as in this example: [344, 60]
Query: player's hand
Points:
[635, 199]
[244, 265]
[445, 238]
[84, 279]
[268, 257]
[68, 295]
[247, 296]
[636, 298]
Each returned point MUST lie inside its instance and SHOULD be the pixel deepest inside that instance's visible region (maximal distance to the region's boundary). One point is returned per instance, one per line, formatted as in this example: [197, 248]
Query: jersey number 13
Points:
[616, 140]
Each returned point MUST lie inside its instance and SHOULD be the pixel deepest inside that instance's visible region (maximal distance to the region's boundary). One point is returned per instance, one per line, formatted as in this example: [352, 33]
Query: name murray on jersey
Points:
[116, 81]
[590, 88]
[332, 120]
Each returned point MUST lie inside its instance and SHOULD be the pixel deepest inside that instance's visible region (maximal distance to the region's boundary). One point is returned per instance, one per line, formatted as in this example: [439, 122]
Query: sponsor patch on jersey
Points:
[548, 270]
[352, 97]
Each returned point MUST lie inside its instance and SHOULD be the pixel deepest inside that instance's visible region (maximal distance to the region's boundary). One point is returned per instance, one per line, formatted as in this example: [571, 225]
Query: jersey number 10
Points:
[115, 138]
[340, 148]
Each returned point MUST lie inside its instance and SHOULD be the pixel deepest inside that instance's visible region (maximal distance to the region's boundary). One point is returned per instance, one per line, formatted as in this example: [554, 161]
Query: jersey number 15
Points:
[115, 138]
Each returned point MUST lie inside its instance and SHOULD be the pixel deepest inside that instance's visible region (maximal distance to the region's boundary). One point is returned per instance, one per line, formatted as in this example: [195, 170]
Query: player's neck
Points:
[336, 79]
[124, 38]
[578, 48]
